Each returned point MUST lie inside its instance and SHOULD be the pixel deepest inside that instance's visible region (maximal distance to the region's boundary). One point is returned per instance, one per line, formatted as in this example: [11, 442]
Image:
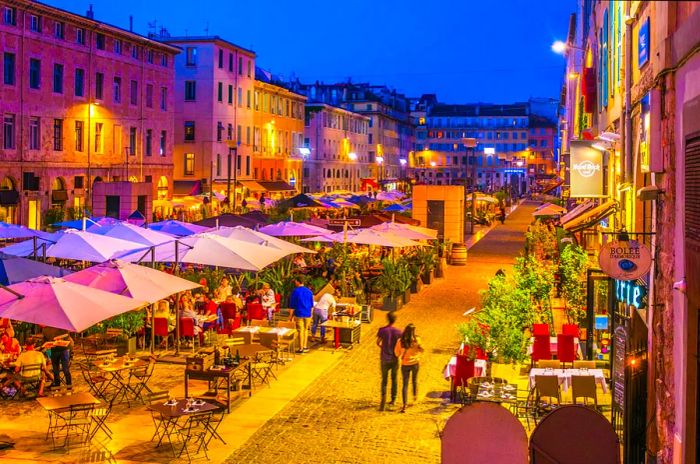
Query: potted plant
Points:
[131, 323]
[443, 249]
[404, 274]
[415, 270]
[426, 257]
[390, 283]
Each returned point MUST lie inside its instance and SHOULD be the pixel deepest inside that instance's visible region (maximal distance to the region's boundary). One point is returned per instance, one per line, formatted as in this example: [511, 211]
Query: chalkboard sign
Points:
[618, 367]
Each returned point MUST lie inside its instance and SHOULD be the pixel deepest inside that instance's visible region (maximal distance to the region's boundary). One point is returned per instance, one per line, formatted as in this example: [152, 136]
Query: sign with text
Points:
[628, 260]
[342, 222]
[643, 44]
[586, 170]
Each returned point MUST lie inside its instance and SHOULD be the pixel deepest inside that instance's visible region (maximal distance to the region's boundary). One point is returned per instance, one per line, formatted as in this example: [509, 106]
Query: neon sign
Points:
[630, 293]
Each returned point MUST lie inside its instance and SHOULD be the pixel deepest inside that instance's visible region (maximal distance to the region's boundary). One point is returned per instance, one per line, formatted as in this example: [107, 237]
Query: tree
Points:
[537, 278]
[573, 264]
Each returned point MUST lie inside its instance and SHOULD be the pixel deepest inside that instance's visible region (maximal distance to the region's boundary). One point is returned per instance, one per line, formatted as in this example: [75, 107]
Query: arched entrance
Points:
[59, 193]
[162, 188]
[9, 200]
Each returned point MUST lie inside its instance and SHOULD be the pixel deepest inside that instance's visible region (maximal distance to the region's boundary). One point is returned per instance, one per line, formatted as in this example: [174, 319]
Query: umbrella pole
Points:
[176, 271]
[153, 327]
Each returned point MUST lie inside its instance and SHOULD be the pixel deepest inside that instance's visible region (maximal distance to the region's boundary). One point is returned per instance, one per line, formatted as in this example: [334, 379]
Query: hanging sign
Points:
[628, 260]
[586, 171]
[643, 44]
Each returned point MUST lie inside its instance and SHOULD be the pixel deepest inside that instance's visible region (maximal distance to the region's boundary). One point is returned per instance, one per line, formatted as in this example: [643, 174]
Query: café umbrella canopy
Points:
[86, 223]
[133, 233]
[132, 280]
[38, 244]
[14, 269]
[366, 237]
[259, 238]
[55, 302]
[407, 231]
[293, 229]
[11, 231]
[178, 228]
[86, 246]
[549, 209]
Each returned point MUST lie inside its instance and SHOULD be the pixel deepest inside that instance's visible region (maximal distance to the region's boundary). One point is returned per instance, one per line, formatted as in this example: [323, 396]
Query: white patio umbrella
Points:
[55, 302]
[259, 238]
[406, 230]
[210, 250]
[9, 231]
[293, 229]
[87, 246]
[133, 233]
[366, 237]
[549, 209]
[38, 244]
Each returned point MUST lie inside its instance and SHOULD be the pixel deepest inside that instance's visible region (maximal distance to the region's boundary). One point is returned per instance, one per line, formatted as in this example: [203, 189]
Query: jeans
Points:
[270, 312]
[303, 324]
[61, 357]
[320, 316]
[393, 367]
[406, 372]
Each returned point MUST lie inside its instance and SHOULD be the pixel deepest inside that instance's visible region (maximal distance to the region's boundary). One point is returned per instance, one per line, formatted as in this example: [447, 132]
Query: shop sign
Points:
[643, 44]
[630, 293]
[586, 172]
[644, 133]
[342, 222]
[625, 260]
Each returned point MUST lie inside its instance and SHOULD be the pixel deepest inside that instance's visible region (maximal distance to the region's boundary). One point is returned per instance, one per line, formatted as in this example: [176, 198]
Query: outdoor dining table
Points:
[60, 408]
[119, 371]
[217, 374]
[248, 331]
[496, 393]
[172, 411]
[451, 368]
[352, 327]
[553, 346]
[566, 374]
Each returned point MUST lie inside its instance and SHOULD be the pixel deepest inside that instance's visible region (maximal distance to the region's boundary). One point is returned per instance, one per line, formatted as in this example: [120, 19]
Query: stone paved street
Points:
[336, 419]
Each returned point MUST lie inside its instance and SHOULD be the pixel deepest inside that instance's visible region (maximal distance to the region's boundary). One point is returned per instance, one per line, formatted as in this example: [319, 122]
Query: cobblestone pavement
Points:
[336, 419]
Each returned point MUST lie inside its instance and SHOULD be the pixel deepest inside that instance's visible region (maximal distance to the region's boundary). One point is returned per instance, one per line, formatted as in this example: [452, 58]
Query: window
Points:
[240, 66]
[80, 36]
[79, 182]
[8, 132]
[190, 90]
[219, 131]
[164, 60]
[117, 89]
[164, 98]
[239, 133]
[9, 16]
[247, 99]
[132, 140]
[117, 46]
[229, 132]
[79, 82]
[240, 97]
[230, 94]
[59, 30]
[230, 62]
[78, 137]
[218, 164]
[58, 134]
[191, 56]
[249, 68]
[163, 137]
[149, 56]
[99, 86]
[149, 142]
[34, 73]
[34, 133]
[135, 52]
[100, 41]
[189, 131]
[58, 78]
[35, 23]
[220, 92]
[99, 140]
[247, 135]
[8, 67]
[189, 164]
[221, 59]
[149, 95]
[134, 93]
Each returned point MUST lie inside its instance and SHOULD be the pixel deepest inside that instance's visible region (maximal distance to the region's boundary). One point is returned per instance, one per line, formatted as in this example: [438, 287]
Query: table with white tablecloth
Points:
[451, 368]
[566, 374]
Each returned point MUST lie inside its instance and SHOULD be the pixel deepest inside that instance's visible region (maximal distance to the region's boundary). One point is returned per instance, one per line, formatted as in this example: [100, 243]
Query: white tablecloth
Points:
[553, 346]
[479, 367]
[565, 376]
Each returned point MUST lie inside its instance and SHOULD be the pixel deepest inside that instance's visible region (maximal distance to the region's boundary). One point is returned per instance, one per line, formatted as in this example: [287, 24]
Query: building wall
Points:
[62, 164]
[332, 134]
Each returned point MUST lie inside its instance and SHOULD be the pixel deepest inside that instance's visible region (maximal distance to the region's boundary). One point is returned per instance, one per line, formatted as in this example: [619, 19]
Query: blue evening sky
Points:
[463, 50]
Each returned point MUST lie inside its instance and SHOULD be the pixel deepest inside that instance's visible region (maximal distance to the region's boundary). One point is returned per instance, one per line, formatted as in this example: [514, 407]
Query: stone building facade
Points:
[82, 101]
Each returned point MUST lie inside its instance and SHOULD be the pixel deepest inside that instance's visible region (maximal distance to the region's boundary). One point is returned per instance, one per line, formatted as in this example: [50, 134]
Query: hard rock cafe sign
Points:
[586, 170]
[625, 260]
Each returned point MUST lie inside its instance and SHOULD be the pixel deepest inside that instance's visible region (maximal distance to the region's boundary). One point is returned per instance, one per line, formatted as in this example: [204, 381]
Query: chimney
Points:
[90, 13]
[131, 23]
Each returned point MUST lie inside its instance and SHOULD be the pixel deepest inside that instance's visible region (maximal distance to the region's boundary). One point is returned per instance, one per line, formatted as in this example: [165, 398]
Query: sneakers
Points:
[305, 350]
[300, 351]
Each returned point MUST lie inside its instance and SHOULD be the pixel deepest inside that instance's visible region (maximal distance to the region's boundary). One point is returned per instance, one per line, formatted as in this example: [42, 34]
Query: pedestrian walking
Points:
[503, 214]
[301, 301]
[387, 337]
[409, 351]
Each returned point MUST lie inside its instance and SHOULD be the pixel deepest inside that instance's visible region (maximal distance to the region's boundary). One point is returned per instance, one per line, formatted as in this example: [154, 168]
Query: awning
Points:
[591, 217]
[9, 197]
[277, 186]
[187, 187]
[251, 185]
[59, 195]
[577, 211]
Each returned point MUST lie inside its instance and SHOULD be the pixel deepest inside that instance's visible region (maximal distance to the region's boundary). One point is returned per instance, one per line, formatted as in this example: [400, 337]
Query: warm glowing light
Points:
[599, 146]
[489, 151]
[559, 47]
[380, 159]
[352, 156]
[573, 75]
[403, 162]
[304, 151]
[432, 164]
[519, 163]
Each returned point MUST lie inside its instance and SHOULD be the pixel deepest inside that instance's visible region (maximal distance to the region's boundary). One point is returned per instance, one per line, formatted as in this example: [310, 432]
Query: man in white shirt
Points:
[322, 308]
[267, 299]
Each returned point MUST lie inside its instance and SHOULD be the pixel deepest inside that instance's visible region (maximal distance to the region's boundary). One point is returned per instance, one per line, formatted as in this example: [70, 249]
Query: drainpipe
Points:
[628, 166]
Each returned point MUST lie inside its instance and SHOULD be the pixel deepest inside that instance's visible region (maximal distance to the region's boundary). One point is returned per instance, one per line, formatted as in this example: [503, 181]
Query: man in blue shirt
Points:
[301, 301]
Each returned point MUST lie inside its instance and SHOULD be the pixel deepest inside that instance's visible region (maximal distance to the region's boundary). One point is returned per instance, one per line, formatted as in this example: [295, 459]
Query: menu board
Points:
[618, 367]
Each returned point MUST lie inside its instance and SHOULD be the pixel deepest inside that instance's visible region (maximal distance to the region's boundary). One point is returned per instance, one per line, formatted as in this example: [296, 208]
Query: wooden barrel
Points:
[458, 256]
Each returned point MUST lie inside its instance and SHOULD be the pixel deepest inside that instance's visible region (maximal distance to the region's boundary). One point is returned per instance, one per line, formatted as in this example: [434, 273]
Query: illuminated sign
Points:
[630, 293]
[643, 44]
[586, 172]
[644, 133]
[489, 151]
[628, 260]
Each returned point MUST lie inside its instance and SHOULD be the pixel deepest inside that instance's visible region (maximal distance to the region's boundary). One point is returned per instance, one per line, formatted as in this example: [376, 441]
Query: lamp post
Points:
[380, 169]
[469, 146]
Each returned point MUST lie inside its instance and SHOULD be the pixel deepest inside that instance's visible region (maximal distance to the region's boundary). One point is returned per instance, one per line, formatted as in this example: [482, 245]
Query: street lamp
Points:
[561, 47]
[232, 154]
[380, 169]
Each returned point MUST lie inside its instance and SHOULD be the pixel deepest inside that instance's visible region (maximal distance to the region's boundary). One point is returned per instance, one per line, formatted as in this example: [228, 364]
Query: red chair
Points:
[540, 329]
[540, 349]
[464, 370]
[160, 329]
[187, 330]
[230, 315]
[255, 311]
[570, 329]
[566, 351]
[479, 353]
[278, 302]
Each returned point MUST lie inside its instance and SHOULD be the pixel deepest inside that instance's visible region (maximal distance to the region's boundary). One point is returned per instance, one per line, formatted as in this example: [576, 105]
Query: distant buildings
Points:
[82, 102]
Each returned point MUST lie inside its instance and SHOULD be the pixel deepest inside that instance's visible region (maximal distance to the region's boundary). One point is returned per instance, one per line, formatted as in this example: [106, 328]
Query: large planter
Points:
[427, 277]
[440, 268]
[416, 285]
[392, 303]
[406, 296]
[131, 346]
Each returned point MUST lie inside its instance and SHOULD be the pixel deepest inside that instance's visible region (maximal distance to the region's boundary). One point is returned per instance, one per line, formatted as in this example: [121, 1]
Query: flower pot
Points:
[416, 285]
[131, 346]
[427, 277]
[406, 296]
[391, 303]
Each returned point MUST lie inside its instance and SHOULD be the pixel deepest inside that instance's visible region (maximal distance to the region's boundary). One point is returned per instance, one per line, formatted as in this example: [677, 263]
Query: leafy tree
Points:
[573, 264]
[537, 278]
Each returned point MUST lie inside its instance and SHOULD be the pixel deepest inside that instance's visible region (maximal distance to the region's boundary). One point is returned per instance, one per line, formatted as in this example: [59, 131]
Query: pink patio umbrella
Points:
[406, 230]
[293, 229]
[259, 238]
[55, 302]
[86, 246]
[366, 237]
[134, 233]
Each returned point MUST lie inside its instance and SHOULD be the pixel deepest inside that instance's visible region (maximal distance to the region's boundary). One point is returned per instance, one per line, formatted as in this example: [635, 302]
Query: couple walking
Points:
[399, 347]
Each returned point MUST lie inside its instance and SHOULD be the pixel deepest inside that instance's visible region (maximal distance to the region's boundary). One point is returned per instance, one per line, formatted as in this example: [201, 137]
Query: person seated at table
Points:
[210, 309]
[299, 261]
[163, 310]
[6, 327]
[29, 357]
[267, 296]
[224, 290]
[322, 308]
[9, 345]
[187, 311]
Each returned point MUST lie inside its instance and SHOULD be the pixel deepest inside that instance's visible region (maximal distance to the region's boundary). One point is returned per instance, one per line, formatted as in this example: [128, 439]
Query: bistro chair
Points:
[525, 406]
[194, 434]
[474, 351]
[549, 364]
[584, 364]
[97, 382]
[160, 329]
[464, 370]
[29, 379]
[140, 378]
[566, 351]
[540, 329]
[541, 349]
[187, 331]
[215, 420]
[157, 397]
[583, 386]
[261, 367]
[255, 311]
[570, 329]
[547, 386]
[75, 421]
[232, 320]
[288, 342]
[99, 415]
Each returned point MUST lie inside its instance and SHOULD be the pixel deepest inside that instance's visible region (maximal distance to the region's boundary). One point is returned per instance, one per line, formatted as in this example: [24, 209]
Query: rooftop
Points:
[480, 109]
[207, 38]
